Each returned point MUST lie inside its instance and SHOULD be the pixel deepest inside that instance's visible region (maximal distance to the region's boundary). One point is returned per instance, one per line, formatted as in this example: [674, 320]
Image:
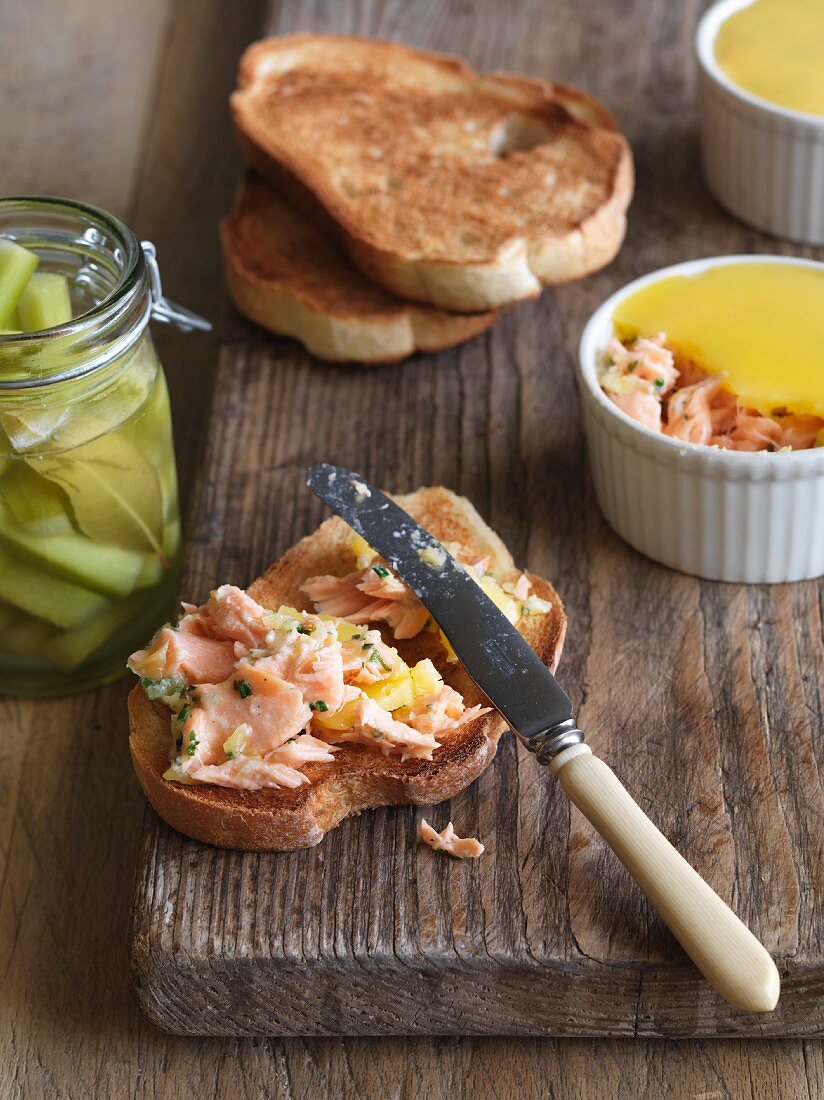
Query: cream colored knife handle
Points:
[724, 950]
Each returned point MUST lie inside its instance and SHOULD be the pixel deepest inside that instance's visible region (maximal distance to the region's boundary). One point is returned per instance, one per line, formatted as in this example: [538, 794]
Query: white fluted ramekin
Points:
[764, 163]
[725, 515]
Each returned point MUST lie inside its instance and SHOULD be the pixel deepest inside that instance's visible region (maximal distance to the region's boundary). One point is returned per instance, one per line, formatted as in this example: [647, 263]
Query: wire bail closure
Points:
[165, 310]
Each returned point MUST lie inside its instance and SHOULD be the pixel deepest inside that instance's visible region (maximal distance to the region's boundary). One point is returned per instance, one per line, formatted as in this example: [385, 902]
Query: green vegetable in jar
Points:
[89, 514]
[17, 265]
[45, 302]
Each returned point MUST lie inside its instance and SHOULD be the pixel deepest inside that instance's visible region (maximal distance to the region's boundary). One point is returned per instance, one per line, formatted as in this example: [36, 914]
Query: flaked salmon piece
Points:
[372, 725]
[448, 841]
[271, 713]
[643, 407]
[190, 658]
[800, 432]
[194, 740]
[645, 366]
[723, 412]
[248, 774]
[369, 659]
[229, 614]
[439, 713]
[373, 594]
[197, 620]
[688, 410]
[315, 668]
[150, 663]
[319, 675]
[237, 616]
[751, 432]
[199, 660]
[303, 749]
[688, 370]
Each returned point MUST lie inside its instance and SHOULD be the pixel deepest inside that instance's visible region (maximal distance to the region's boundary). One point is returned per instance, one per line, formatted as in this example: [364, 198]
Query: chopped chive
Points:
[184, 713]
[381, 570]
[375, 656]
[156, 689]
[243, 688]
[321, 705]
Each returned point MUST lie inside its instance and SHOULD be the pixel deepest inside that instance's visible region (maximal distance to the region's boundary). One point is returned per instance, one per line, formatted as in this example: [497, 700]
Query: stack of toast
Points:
[396, 200]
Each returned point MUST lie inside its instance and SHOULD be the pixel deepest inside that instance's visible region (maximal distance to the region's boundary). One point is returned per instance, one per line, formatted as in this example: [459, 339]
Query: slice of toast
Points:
[288, 275]
[360, 777]
[468, 192]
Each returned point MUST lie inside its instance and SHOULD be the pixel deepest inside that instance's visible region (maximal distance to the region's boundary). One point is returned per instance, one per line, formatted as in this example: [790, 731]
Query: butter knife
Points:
[535, 706]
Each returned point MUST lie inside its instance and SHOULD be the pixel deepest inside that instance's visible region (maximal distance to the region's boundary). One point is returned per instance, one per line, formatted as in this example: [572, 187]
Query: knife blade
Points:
[503, 665]
[529, 697]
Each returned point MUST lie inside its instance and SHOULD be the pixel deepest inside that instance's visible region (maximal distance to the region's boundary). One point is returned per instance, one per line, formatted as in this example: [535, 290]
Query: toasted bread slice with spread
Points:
[359, 777]
[288, 275]
[467, 192]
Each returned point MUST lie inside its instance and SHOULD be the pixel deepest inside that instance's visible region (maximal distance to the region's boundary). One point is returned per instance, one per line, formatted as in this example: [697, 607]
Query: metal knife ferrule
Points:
[551, 742]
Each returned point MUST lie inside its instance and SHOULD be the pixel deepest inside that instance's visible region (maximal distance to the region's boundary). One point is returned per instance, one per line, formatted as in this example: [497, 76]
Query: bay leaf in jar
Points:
[113, 489]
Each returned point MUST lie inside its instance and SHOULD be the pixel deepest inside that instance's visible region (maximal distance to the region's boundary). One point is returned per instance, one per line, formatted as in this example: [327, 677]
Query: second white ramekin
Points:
[725, 515]
[763, 162]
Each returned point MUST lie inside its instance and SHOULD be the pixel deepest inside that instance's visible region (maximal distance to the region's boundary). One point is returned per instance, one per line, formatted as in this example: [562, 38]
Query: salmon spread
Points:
[668, 393]
[255, 695]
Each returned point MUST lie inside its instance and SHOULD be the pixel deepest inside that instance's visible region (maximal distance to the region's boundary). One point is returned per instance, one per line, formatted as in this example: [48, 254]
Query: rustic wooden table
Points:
[125, 105]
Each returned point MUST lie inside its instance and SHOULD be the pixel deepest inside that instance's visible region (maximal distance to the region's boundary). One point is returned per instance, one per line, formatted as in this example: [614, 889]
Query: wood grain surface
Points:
[703, 697]
[123, 104]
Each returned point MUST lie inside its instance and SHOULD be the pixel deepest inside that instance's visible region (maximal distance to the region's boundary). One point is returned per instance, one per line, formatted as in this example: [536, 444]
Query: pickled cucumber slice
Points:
[45, 302]
[38, 505]
[25, 637]
[17, 265]
[70, 648]
[171, 538]
[151, 572]
[46, 597]
[109, 570]
[7, 616]
[113, 489]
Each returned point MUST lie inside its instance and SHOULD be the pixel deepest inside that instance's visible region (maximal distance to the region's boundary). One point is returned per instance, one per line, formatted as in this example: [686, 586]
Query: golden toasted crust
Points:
[465, 191]
[290, 276]
[283, 820]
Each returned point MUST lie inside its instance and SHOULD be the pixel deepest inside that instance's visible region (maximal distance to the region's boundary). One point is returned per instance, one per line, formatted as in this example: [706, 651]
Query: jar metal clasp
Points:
[165, 310]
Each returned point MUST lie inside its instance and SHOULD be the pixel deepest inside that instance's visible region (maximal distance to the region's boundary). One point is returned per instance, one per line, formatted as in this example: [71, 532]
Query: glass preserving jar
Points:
[89, 516]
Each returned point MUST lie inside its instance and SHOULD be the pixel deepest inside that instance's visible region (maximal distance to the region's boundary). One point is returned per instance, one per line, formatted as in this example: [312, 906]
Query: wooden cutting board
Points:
[705, 698]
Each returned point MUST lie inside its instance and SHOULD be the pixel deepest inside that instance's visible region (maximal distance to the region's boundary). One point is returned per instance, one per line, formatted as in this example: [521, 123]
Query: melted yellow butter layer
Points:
[774, 49]
[761, 323]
